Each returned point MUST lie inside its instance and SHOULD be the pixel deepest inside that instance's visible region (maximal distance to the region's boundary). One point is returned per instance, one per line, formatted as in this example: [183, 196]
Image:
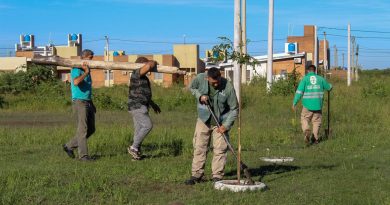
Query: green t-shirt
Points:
[83, 91]
[311, 89]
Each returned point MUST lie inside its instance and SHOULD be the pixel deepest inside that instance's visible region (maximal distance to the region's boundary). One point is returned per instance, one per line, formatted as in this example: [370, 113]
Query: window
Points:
[109, 76]
[64, 77]
[158, 76]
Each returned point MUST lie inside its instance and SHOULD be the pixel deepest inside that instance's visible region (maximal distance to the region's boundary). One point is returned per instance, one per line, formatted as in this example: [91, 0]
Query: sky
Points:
[153, 26]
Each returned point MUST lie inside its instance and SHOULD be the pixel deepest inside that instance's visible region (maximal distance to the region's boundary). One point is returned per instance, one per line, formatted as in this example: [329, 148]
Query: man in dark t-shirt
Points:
[140, 98]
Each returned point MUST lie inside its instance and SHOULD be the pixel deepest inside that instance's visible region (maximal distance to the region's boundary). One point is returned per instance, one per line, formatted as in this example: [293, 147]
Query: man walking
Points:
[210, 89]
[140, 98]
[312, 88]
[81, 87]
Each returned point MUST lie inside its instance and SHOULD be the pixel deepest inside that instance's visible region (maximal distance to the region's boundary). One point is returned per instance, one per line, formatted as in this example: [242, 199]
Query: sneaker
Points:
[136, 154]
[193, 180]
[68, 151]
[316, 142]
[87, 158]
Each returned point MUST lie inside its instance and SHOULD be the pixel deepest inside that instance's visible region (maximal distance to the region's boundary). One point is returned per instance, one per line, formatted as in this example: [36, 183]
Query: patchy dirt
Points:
[19, 119]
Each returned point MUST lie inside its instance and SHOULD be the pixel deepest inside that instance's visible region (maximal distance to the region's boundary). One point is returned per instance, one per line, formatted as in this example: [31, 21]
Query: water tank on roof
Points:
[215, 54]
[27, 38]
[291, 48]
[74, 37]
[115, 53]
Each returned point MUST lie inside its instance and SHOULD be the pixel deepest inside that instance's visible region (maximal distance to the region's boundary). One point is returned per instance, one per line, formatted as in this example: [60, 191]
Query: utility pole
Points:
[270, 44]
[107, 58]
[325, 62]
[107, 49]
[335, 57]
[356, 64]
[244, 46]
[353, 57]
[349, 56]
[237, 75]
[315, 58]
[237, 48]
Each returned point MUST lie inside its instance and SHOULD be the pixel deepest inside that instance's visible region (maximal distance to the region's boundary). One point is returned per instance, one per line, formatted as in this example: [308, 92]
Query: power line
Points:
[172, 42]
[101, 39]
[344, 29]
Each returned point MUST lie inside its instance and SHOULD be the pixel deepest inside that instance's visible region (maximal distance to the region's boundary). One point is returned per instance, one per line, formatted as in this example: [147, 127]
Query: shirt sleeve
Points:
[299, 92]
[74, 73]
[136, 74]
[194, 87]
[327, 86]
[233, 113]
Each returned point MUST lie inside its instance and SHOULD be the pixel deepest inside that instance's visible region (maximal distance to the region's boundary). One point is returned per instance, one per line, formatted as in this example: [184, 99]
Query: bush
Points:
[22, 81]
[2, 102]
[105, 101]
[286, 87]
[377, 88]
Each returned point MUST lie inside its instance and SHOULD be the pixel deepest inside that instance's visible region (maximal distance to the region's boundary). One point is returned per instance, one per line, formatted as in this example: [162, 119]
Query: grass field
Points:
[353, 167]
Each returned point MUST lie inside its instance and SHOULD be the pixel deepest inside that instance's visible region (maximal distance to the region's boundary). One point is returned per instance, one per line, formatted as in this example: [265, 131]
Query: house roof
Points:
[264, 58]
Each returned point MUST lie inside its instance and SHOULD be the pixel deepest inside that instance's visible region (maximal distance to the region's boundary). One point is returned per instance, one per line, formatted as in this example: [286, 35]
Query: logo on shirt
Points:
[313, 80]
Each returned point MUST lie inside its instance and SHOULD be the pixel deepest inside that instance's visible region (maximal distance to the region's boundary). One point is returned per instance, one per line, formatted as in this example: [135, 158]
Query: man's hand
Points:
[85, 67]
[93, 107]
[221, 129]
[293, 108]
[155, 107]
[152, 64]
[148, 67]
[204, 99]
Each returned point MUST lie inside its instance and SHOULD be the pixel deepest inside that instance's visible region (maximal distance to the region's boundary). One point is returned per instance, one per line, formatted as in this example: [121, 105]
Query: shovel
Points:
[243, 166]
[328, 130]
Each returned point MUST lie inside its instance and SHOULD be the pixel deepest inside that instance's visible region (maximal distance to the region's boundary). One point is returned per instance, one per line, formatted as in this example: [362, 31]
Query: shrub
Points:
[2, 102]
[23, 81]
[286, 87]
[376, 88]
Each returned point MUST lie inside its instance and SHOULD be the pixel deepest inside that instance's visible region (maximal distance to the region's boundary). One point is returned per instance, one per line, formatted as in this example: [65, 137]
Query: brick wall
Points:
[288, 65]
[27, 54]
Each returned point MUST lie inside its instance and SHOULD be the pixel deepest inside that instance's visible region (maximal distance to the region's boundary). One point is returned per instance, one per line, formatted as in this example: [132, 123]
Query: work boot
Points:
[68, 151]
[87, 158]
[216, 179]
[135, 154]
[307, 136]
[193, 180]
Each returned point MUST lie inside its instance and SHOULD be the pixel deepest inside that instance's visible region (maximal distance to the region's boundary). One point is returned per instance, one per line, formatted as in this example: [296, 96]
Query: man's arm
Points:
[327, 86]
[194, 88]
[80, 79]
[147, 67]
[299, 92]
[233, 113]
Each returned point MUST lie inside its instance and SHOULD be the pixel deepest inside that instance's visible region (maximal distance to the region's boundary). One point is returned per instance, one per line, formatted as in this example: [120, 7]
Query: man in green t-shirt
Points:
[311, 89]
[81, 87]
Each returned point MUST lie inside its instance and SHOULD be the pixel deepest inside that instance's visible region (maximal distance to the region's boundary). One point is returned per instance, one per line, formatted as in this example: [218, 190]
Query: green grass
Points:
[351, 168]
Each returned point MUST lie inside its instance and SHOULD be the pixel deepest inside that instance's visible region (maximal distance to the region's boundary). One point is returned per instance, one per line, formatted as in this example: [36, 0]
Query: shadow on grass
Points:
[262, 171]
[150, 150]
[173, 148]
[277, 169]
